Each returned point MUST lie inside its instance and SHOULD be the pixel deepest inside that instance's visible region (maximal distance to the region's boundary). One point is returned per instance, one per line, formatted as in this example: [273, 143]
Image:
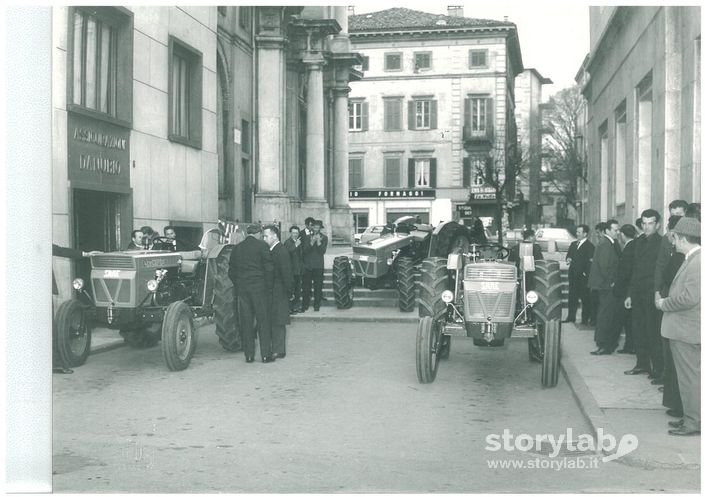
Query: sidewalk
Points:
[621, 404]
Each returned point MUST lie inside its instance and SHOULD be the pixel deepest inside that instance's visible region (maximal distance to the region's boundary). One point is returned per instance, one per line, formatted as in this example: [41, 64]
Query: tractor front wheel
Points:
[428, 344]
[405, 284]
[178, 336]
[342, 282]
[72, 334]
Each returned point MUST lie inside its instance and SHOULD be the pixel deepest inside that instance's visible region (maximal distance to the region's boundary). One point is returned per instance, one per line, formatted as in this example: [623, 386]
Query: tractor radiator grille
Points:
[481, 305]
[118, 291]
[108, 261]
[490, 272]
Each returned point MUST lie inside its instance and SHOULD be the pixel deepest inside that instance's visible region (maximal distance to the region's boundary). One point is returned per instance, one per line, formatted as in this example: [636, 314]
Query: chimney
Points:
[506, 18]
[455, 11]
[351, 10]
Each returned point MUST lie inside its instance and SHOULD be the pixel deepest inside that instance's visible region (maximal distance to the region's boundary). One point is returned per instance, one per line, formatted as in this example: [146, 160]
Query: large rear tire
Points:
[406, 284]
[428, 343]
[72, 334]
[178, 336]
[433, 281]
[342, 282]
[550, 367]
[225, 304]
[548, 287]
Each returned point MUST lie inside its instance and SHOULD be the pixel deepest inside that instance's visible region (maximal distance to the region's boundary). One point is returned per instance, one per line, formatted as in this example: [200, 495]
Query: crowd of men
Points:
[631, 278]
[272, 280]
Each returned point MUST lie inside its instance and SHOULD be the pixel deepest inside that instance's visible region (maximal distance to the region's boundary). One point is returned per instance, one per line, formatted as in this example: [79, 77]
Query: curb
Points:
[597, 419]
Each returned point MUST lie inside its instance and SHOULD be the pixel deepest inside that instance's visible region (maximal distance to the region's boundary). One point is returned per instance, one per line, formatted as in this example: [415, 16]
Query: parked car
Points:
[370, 233]
[509, 239]
[561, 236]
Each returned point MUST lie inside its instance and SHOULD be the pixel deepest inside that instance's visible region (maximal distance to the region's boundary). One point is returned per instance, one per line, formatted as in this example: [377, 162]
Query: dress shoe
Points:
[249, 359]
[660, 389]
[267, 359]
[568, 321]
[683, 432]
[601, 351]
[657, 381]
[676, 424]
[625, 351]
[62, 370]
[316, 309]
[636, 371]
[674, 413]
[278, 356]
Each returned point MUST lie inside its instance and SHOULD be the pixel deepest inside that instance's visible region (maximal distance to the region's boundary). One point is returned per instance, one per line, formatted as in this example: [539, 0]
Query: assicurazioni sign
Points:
[98, 153]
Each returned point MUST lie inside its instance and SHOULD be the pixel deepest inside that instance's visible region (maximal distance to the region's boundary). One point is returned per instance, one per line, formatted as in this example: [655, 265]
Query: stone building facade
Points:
[642, 83]
[435, 104]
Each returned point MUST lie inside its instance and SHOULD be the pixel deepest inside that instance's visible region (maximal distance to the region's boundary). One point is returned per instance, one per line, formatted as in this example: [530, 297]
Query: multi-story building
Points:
[643, 92]
[184, 115]
[436, 104]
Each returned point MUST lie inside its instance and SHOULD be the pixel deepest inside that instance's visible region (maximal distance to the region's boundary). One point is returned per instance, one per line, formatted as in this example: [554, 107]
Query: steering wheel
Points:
[500, 252]
[166, 243]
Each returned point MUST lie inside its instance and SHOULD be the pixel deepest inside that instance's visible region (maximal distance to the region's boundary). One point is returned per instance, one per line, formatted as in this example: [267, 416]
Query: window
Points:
[604, 170]
[185, 94]
[245, 15]
[392, 172]
[355, 165]
[478, 117]
[422, 61]
[223, 11]
[422, 173]
[99, 44]
[423, 114]
[477, 165]
[644, 144]
[245, 138]
[620, 164]
[392, 114]
[392, 62]
[361, 221]
[478, 58]
[357, 116]
[365, 63]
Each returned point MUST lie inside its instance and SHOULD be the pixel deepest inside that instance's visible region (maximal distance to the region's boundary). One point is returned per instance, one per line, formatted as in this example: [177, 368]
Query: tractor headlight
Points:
[78, 284]
[152, 285]
[532, 297]
[447, 296]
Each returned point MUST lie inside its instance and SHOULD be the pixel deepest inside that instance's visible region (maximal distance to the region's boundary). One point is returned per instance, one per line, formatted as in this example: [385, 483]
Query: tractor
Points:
[153, 295]
[481, 295]
[391, 260]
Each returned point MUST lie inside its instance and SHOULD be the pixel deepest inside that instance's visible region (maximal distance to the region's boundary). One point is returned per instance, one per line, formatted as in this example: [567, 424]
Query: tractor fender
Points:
[442, 237]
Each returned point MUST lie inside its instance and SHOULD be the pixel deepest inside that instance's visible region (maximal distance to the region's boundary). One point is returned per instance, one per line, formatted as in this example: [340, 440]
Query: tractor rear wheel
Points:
[225, 304]
[178, 336]
[342, 282]
[551, 354]
[406, 284]
[433, 281]
[72, 334]
[428, 343]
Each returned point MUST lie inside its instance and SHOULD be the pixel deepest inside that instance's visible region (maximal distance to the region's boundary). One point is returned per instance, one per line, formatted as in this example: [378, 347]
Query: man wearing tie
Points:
[282, 288]
[601, 280]
[579, 258]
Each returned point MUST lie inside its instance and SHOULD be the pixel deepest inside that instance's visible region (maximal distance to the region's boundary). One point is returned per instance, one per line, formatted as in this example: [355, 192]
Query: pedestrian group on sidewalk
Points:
[634, 279]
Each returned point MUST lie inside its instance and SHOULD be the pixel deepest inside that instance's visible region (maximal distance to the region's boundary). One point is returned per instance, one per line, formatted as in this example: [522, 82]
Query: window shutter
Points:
[387, 114]
[412, 114]
[468, 119]
[466, 172]
[396, 123]
[433, 173]
[412, 173]
[434, 114]
[365, 118]
[490, 118]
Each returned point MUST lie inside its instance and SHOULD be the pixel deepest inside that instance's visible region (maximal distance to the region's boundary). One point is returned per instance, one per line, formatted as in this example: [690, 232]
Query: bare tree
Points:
[563, 163]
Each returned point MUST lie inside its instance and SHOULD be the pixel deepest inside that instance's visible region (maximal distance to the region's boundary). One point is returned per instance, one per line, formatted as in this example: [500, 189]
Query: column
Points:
[672, 108]
[315, 145]
[340, 194]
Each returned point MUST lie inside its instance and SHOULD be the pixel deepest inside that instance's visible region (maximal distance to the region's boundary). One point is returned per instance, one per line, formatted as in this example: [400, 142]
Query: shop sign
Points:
[392, 194]
[483, 192]
[464, 210]
[98, 152]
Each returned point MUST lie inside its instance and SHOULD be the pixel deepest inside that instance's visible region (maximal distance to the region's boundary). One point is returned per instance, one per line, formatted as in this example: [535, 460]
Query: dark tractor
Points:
[391, 260]
[480, 295]
[153, 295]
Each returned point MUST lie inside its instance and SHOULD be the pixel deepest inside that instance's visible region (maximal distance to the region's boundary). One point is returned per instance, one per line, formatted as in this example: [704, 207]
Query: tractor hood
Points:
[384, 243]
[136, 260]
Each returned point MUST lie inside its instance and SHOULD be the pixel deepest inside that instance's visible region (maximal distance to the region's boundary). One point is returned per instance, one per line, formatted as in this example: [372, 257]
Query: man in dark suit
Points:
[315, 246]
[293, 245]
[640, 298]
[579, 258]
[282, 288]
[252, 271]
[601, 280]
[136, 243]
[621, 285]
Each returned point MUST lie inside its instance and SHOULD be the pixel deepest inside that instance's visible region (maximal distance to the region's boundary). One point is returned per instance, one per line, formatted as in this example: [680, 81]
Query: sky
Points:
[554, 36]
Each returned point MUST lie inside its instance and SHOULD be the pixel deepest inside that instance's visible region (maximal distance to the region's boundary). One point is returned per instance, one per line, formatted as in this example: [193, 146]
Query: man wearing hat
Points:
[681, 324]
[315, 246]
[252, 273]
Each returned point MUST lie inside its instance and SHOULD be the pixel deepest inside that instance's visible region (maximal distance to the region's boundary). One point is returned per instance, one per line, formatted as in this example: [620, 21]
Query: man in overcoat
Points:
[251, 271]
[601, 280]
[315, 246]
[579, 258]
[681, 325]
[282, 287]
[621, 284]
[294, 246]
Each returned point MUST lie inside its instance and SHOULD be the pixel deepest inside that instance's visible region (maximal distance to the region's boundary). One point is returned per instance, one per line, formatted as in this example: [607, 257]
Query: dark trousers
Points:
[253, 305]
[686, 357]
[297, 293]
[279, 338]
[594, 306]
[624, 318]
[646, 326]
[578, 291]
[312, 277]
[671, 392]
[607, 329]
